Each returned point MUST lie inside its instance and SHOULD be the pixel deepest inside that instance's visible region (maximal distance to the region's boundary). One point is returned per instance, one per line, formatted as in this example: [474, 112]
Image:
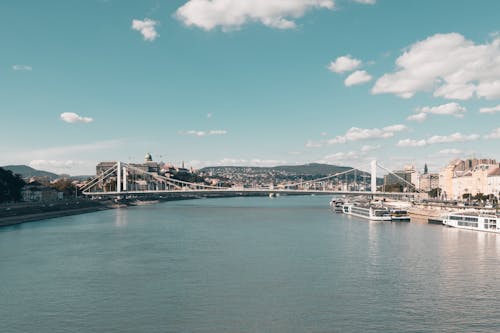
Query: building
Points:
[493, 182]
[401, 180]
[470, 176]
[37, 192]
[429, 181]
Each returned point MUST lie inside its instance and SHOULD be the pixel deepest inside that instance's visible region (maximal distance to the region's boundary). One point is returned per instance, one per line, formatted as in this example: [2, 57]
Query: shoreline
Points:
[19, 219]
[420, 213]
[61, 209]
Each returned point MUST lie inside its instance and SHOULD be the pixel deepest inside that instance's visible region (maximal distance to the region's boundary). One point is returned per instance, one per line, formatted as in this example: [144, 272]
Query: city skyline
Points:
[232, 83]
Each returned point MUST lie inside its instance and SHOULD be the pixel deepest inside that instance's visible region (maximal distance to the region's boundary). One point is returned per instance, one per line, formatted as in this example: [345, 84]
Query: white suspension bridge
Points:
[125, 180]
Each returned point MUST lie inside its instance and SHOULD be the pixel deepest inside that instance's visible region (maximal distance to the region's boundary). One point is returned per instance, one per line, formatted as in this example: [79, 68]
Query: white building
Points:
[493, 183]
[469, 176]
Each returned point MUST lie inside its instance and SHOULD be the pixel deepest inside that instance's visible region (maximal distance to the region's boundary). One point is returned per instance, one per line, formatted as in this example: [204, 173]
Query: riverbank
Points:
[30, 212]
[17, 213]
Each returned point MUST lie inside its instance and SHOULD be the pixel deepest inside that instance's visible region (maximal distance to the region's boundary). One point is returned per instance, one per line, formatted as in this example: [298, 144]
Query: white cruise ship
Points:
[367, 212]
[473, 220]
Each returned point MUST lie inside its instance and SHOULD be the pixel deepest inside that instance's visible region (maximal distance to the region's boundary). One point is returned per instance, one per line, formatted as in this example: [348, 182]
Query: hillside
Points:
[313, 169]
[284, 172]
[28, 172]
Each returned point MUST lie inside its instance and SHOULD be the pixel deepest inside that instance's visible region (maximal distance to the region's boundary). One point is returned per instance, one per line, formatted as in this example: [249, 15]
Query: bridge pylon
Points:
[374, 176]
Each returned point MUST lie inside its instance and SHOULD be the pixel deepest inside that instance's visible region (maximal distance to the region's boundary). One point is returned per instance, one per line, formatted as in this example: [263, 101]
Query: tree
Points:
[64, 185]
[435, 192]
[10, 186]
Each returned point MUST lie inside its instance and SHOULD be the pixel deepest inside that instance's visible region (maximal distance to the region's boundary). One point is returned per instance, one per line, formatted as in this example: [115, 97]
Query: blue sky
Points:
[248, 82]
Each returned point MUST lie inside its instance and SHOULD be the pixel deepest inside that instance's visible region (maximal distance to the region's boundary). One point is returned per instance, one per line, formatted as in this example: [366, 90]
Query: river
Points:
[287, 264]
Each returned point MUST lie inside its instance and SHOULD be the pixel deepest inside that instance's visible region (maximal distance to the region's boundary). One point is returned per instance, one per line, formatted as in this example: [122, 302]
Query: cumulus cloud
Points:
[232, 14]
[448, 65]
[494, 109]
[495, 134]
[355, 134]
[453, 109]
[358, 77]
[313, 144]
[71, 117]
[411, 143]
[368, 148]
[203, 133]
[22, 68]
[366, 2]
[147, 28]
[418, 117]
[437, 139]
[450, 151]
[344, 64]
[350, 156]
[237, 162]
[55, 164]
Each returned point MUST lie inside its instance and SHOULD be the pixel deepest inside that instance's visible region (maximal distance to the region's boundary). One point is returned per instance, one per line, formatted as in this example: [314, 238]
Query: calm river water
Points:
[245, 265]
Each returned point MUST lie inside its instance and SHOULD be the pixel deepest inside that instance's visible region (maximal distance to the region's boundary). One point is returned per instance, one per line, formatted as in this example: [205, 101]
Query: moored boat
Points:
[367, 212]
[473, 220]
[399, 215]
[336, 205]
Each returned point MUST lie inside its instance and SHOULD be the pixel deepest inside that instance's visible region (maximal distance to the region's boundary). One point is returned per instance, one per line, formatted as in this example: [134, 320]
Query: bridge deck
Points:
[250, 191]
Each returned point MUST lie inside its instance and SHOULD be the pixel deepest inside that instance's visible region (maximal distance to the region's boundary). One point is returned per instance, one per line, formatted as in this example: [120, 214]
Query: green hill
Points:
[313, 169]
[27, 172]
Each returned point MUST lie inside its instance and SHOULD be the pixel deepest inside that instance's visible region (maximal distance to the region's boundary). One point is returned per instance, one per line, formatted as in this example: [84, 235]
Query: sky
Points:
[239, 82]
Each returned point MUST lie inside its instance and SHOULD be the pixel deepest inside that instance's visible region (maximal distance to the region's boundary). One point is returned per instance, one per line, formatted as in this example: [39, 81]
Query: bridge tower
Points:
[374, 176]
[118, 177]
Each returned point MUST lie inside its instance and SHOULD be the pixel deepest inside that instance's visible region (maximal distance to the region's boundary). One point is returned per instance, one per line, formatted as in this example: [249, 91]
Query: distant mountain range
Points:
[27, 172]
[313, 169]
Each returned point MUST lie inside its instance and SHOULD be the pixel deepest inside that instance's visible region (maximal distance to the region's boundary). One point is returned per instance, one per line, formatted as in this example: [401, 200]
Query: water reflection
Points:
[121, 217]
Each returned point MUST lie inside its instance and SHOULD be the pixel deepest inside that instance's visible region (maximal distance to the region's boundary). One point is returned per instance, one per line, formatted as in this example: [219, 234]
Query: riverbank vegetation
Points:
[10, 186]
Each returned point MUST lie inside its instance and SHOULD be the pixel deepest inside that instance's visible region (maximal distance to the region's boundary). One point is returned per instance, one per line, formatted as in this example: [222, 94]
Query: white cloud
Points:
[22, 68]
[437, 139]
[342, 156]
[232, 14]
[450, 151]
[71, 117]
[411, 143]
[55, 152]
[447, 64]
[495, 134]
[453, 109]
[203, 133]
[455, 137]
[366, 2]
[344, 64]
[358, 77]
[146, 28]
[82, 157]
[368, 148]
[237, 162]
[59, 165]
[355, 134]
[490, 110]
[313, 144]
[418, 117]
[209, 115]
[353, 157]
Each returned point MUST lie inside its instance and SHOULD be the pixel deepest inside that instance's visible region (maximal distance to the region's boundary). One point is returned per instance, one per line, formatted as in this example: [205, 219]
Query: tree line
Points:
[10, 186]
